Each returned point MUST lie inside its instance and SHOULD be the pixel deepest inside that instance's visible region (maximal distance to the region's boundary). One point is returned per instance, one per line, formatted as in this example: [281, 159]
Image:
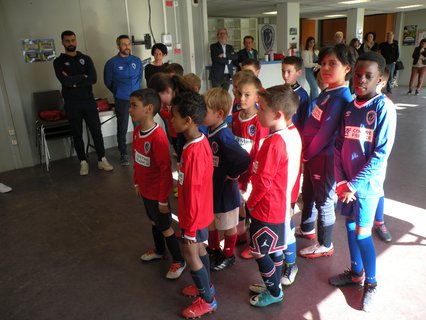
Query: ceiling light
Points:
[335, 16]
[354, 1]
[271, 12]
[410, 6]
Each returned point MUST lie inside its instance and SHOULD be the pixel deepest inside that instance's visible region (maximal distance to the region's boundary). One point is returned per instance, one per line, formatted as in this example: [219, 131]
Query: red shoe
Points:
[192, 291]
[199, 308]
[246, 254]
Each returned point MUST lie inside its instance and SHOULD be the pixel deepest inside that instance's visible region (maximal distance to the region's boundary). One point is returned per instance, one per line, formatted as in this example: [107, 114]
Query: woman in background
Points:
[419, 67]
[310, 62]
[369, 43]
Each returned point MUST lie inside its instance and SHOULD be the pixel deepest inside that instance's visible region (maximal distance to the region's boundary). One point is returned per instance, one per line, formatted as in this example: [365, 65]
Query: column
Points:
[288, 28]
[355, 25]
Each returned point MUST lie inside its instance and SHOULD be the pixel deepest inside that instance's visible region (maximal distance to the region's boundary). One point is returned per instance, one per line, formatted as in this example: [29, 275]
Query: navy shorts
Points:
[200, 236]
[265, 237]
[162, 221]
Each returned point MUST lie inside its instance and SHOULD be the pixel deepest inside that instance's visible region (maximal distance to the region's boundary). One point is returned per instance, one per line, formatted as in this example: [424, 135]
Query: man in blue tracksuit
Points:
[122, 76]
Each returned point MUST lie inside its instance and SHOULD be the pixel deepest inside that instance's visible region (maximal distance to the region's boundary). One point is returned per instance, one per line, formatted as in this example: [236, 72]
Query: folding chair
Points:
[49, 130]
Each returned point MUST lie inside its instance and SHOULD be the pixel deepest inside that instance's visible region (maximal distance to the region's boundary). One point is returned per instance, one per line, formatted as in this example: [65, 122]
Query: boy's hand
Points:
[163, 208]
[137, 191]
[347, 197]
[342, 189]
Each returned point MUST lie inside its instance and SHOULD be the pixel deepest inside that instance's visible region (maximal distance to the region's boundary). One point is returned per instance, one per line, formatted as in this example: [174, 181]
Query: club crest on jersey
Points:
[371, 117]
[133, 65]
[82, 62]
[215, 147]
[325, 100]
[251, 130]
[120, 68]
[146, 146]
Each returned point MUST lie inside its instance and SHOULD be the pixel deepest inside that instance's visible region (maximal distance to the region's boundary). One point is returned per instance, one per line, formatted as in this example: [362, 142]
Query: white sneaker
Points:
[289, 275]
[151, 255]
[175, 270]
[316, 251]
[4, 188]
[260, 287]
[84, 168]
[104, 165]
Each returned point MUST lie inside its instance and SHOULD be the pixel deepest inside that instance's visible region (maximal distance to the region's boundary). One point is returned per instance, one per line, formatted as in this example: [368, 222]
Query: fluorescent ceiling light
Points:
[354, 1]
[335, 16]
[410, 6]
[271, 12]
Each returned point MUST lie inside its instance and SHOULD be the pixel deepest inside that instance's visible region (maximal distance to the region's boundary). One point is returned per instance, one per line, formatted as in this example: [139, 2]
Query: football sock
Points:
[290, 252]
[173, 246]
[201, 280]
[269, 275]
[160, 246]
[230, 241]
[368, 254]
[325, 234]
[380, 211]
[278, 257]
[356, 260]
[206, 262]
[214, 240]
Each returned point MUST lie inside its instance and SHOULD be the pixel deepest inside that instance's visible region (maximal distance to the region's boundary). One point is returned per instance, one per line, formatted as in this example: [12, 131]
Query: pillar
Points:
[288, 28]
[355, 24]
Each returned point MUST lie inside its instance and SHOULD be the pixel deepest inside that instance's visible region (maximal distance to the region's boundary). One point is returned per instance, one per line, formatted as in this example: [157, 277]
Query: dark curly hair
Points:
[374, 57]
[190, 104]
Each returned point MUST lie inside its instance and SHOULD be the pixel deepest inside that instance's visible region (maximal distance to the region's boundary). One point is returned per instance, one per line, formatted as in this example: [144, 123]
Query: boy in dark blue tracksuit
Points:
[318, 138]
[122, 76]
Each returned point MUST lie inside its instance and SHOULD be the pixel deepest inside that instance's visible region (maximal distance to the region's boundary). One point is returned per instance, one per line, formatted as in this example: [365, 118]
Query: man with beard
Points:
[76, 72]
[122, 76]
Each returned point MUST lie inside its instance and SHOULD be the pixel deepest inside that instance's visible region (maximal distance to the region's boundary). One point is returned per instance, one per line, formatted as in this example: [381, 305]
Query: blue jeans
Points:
[391, 68]
[312, 81]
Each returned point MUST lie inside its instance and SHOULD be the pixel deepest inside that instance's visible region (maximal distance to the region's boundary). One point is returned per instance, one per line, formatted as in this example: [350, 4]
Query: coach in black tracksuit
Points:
[77, 74]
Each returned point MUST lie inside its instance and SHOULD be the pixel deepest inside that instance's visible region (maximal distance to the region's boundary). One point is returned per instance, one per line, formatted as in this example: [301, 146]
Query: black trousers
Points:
[224, 82]
[122, 113]
[76, 111]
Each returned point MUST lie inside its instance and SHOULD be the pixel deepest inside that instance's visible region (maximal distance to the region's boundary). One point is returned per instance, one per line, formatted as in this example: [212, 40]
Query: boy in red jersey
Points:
[153, 177]
[195, 202]
[274, 175]
[248, 132]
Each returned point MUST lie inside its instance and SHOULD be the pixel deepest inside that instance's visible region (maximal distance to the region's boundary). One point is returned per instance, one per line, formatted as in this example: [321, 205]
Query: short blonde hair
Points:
[193, 80]
[250, 80]
[218, 99]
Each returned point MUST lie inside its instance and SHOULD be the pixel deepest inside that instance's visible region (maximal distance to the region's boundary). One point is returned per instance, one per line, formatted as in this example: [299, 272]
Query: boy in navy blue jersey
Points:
[229, 161]
[291, 69]
[195, 202]
[318, 137]
[362, 149]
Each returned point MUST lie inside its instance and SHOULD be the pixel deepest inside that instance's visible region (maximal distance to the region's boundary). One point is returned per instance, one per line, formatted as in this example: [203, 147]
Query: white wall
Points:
[409, 18]
[96, 23]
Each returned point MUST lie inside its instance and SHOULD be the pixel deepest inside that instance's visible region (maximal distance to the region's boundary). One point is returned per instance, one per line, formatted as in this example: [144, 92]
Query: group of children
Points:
[250, 169]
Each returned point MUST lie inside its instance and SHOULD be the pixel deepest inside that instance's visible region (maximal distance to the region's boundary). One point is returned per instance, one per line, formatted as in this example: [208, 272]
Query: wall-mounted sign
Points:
[38, 50]
[409, 36]
[267, 35]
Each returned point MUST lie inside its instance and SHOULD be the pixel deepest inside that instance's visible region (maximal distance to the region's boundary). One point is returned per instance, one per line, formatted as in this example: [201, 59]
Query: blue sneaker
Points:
[265, 298]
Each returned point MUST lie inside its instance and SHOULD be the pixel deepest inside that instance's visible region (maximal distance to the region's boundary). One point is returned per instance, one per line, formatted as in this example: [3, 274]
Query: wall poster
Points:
[38, 50]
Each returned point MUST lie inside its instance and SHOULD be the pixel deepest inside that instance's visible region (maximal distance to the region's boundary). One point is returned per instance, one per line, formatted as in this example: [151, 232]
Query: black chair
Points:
[49, 130]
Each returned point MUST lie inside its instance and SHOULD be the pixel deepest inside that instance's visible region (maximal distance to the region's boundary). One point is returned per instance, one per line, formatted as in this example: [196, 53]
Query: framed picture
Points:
[293, 31]
[38, 50]
[421, 34]
[409, 35]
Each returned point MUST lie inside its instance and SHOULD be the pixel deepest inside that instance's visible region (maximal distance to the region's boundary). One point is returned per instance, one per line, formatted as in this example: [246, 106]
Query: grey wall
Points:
[409, 18]
[97, 23]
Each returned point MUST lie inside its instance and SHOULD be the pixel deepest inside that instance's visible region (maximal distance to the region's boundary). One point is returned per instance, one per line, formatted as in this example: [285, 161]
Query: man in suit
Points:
[248, 52]
[223, 60]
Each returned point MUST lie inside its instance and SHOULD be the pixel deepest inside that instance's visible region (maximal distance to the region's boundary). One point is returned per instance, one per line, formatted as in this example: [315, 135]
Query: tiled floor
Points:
[70, 248]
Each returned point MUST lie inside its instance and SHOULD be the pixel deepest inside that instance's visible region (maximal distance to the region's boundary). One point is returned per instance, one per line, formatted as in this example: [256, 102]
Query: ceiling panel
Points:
[308, 8]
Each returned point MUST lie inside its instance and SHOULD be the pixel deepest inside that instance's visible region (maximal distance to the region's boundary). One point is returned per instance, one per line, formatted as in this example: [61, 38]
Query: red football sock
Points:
[230, 242]
[214, 240]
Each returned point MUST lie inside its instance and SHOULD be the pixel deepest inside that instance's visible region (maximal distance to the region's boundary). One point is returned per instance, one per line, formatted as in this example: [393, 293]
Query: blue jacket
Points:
[304, 110]
[365, 140]
[319, 132]
[123, 75]
[230, 160]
